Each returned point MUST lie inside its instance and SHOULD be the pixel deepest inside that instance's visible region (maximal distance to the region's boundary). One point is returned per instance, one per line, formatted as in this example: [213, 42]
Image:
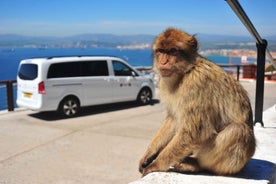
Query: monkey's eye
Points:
[163, 51]
[172, 51]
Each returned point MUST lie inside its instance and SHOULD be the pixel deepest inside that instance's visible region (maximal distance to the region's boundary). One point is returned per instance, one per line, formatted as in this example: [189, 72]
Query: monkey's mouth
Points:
[166, 72]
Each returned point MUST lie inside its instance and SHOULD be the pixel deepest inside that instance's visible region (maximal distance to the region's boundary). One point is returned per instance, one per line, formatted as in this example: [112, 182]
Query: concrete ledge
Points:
[256, 172]
[261, 169]
[243, 178]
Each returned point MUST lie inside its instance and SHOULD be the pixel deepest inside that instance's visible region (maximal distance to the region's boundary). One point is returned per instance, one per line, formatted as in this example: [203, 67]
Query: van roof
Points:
[82, 56]
[69, 58]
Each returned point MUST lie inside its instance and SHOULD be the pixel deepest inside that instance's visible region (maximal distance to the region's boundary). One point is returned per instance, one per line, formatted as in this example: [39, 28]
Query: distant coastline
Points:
[207, 52]
[140, 41]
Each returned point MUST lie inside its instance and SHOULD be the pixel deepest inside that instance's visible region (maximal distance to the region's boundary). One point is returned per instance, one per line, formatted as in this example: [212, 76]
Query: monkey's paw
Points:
[154, 167]
[145, 162]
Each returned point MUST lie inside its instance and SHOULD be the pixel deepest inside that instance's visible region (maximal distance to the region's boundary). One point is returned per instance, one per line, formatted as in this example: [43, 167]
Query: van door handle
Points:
[114, 79]
[107, 79]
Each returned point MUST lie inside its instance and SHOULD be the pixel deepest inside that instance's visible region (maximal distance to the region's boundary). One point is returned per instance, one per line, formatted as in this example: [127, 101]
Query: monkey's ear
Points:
[193, 43]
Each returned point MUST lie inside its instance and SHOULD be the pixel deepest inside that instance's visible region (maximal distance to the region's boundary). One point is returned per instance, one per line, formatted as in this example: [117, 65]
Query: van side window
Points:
[121, 69]
[94, 68]
[59, 70]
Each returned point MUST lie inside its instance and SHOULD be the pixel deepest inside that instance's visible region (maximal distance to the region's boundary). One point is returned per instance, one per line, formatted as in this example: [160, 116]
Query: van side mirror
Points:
[133, 74]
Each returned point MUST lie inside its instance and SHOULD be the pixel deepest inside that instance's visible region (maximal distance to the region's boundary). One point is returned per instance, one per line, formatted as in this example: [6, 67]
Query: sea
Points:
[11, 57]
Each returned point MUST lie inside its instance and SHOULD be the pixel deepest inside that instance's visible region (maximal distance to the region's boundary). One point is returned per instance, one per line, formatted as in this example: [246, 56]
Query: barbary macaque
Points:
[209, 122]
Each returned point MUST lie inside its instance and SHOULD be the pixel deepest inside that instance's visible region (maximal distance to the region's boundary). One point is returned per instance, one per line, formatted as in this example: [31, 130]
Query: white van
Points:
[67, 83]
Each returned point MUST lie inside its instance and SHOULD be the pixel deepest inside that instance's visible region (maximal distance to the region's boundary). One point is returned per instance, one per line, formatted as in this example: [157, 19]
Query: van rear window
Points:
[28, 71]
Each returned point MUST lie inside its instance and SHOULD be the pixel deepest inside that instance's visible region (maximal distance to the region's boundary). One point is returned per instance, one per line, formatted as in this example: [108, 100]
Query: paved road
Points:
[101, 146]
[269, 92]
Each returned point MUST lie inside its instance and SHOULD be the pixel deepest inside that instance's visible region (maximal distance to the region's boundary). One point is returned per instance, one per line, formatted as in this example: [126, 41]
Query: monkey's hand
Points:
[154, 167]
[145, 161]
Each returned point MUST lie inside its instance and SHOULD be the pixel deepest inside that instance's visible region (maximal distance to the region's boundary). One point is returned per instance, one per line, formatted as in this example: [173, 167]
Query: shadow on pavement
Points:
[257, 169]
[90, 110]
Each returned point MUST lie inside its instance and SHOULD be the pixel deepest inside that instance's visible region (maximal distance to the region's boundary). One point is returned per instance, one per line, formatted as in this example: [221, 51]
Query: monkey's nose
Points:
[164, 59]
[163, 62]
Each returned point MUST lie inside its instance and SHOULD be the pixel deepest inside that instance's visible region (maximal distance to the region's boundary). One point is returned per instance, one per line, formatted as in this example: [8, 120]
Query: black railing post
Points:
[261, 50]
[238, 72]
[10, 95]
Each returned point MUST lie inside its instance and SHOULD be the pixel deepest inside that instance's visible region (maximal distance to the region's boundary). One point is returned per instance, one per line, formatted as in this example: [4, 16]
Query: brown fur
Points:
[209, 122]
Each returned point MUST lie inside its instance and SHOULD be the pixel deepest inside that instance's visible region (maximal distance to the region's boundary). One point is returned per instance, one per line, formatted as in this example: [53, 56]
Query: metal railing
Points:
[232, 69]
[262, 51]
[9, 86]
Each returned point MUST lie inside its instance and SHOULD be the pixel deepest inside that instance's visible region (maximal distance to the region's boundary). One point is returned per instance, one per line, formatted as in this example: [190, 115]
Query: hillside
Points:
[125, 41]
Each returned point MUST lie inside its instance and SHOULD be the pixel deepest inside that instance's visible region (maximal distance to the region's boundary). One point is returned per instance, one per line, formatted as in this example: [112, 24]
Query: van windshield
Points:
[28, 71]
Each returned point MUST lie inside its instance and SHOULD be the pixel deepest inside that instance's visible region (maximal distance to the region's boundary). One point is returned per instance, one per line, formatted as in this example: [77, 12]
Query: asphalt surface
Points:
[102, 145]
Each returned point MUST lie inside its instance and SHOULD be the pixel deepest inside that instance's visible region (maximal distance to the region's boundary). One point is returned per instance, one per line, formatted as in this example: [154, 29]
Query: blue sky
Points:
[70, 17]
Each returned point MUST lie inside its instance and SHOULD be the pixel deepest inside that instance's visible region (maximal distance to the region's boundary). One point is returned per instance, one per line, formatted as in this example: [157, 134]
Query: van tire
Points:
[145, 96]
[69, 106]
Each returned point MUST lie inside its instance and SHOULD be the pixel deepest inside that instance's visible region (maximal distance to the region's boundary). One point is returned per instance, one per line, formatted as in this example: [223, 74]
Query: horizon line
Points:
[134, 34]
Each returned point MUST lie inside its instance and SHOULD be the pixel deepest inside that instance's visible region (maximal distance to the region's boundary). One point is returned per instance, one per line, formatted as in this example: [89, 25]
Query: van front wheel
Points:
[69, 107]
[145, 96]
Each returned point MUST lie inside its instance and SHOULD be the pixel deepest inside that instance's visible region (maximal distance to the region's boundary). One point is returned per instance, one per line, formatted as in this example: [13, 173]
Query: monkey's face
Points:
[174, 51]
[166, 61]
